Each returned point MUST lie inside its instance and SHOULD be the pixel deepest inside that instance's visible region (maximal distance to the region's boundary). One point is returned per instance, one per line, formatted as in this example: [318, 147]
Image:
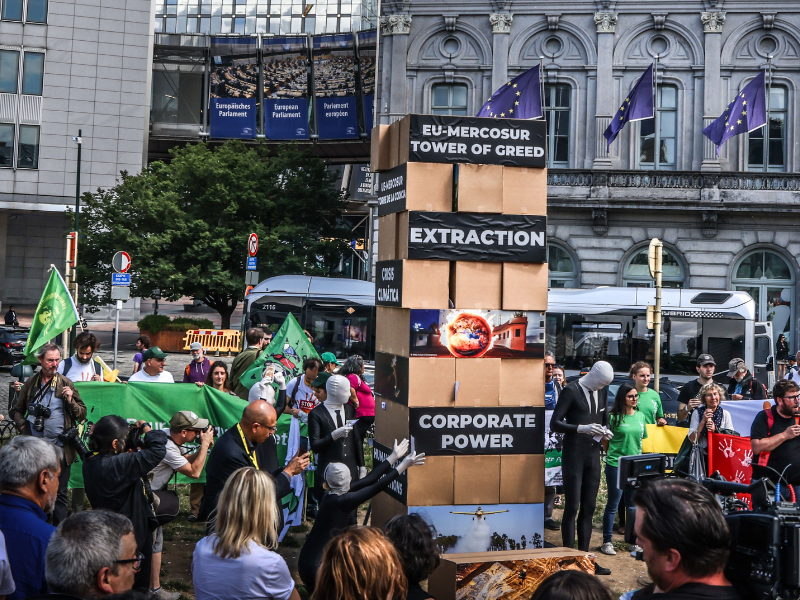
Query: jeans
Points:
[614, 496]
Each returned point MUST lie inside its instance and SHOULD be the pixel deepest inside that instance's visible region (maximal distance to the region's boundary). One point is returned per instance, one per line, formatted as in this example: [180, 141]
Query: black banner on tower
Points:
[398, 489]
[446, 139]
[391, 191]
[477, 237]
[389, 283]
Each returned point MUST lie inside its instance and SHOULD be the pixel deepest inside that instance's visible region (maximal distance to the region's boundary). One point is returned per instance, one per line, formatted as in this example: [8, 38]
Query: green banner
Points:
[157, 402]
[55, 314]
[289, 348]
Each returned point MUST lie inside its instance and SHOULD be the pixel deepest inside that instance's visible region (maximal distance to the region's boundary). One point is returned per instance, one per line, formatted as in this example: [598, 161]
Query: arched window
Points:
[637, 274]
[770, 281]
[664, 138]
[563, 270]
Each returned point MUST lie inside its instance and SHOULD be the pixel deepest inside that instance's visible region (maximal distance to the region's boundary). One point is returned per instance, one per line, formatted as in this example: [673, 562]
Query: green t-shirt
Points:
[650, 406]
[628, 436]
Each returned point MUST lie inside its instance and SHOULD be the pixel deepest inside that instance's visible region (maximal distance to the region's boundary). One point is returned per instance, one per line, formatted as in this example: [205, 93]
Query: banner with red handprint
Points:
[732, 456]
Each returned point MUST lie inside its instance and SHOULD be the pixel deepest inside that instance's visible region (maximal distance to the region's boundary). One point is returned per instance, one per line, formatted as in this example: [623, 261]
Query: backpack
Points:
[763, 458]
[98, 370]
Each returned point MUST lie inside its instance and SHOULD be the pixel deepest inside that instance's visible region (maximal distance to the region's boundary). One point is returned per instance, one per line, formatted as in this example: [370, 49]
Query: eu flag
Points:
[520, 98]
[638, 105]
[746, 112]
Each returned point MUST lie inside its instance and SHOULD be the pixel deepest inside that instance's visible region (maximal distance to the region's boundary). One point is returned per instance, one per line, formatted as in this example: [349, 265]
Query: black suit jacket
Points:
[228, 455]
[572, 409]
[346, 450]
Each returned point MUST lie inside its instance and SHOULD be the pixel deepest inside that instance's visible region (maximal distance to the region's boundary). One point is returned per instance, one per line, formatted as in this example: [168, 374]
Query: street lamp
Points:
[78, 140]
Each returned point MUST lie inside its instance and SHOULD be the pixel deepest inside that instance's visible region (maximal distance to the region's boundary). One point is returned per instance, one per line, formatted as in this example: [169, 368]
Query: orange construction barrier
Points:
[214, 340]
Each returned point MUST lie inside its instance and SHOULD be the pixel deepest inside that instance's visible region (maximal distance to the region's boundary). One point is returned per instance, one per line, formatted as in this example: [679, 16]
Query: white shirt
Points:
[727, 423]
[257, 573]
[141, 376]
[78, 371]
[173, 461]
[592, 395]
[305, 398]
[333, 411]
[7, 586]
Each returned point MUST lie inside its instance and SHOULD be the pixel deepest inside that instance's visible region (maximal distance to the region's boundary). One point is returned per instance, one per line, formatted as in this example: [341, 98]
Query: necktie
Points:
[338, 419]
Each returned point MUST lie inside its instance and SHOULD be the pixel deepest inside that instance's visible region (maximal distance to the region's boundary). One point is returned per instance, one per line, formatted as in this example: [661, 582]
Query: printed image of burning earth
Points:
[468, 335]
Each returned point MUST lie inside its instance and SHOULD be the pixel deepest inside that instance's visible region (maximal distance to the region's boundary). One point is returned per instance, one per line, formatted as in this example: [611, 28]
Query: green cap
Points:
[330, 357]
[154, 352]
[321, 379]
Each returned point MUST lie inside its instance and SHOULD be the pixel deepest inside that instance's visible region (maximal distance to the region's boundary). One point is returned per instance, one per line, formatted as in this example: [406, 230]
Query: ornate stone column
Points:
[712, 84]
[501, 27]
[606, 23]
[398, 26]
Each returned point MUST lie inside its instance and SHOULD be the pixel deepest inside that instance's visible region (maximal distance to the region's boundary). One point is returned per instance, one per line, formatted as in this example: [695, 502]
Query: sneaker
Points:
[634, 548]
[551, 525]
[608, 548]
[557, 501]
[163, 594]
[598, 570]
[192, 518]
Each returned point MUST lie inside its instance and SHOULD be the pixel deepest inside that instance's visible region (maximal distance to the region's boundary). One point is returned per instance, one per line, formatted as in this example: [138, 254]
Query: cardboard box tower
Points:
[461, 295]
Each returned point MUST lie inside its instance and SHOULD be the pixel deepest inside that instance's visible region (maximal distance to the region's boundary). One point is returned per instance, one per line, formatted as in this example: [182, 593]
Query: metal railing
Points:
[675, 179]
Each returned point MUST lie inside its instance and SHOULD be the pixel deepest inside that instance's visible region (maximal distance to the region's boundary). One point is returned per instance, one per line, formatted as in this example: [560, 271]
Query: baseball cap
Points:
[196, 346]
[321, 380]
[734, 366]
[154, 352]
[705, 359]
[186, 419]
[329, 357]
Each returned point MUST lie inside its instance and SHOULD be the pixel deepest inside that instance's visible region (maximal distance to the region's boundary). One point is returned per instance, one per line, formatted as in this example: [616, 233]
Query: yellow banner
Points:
[664, 440]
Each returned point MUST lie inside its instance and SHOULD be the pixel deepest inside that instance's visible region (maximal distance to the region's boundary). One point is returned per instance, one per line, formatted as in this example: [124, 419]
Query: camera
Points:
[40, 412]
[134, 441]
[73, 438]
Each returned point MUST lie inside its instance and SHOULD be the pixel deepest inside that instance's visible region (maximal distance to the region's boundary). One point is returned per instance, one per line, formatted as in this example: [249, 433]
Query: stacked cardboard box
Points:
[436, 399]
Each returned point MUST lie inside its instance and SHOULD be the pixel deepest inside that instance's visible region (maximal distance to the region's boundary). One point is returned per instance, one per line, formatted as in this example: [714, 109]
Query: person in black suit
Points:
[249, 444]
[330, 433]
[581, 415]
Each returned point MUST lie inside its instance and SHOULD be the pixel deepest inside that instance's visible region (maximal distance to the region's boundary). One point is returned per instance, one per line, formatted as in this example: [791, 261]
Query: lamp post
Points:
[78, 140]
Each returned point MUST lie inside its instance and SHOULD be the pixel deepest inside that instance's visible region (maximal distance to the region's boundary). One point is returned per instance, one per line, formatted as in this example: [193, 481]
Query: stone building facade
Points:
[726, 222]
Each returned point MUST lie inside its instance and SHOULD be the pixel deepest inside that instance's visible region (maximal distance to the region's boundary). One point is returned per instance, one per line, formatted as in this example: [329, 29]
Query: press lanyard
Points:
[250, 455]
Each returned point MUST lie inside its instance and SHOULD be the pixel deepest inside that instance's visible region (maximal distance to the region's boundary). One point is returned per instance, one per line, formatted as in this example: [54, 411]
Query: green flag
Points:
[55, 314]
[289, 348]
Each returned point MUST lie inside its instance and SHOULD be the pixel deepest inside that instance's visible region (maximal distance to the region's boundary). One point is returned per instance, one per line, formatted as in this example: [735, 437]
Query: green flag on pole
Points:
[289, 348]
[55, 314]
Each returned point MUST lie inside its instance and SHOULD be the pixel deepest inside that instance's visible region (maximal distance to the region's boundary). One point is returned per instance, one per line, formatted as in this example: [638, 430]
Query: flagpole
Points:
[766, 126]
[656, 135]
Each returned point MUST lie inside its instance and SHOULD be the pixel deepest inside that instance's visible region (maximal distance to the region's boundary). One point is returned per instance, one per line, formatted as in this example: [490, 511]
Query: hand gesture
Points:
[97, 377]
[661, 422]
[693, 403]
[411, 460]
[736, 396]
[199, 383]
[792, 432]
[280, 379]
[18, 385]
[398, 452]
[297, 465]
[207, 436]
[67, 393]
[341, 432]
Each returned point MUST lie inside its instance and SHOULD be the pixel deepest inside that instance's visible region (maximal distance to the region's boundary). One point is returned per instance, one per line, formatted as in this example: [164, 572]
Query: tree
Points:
[185, 224]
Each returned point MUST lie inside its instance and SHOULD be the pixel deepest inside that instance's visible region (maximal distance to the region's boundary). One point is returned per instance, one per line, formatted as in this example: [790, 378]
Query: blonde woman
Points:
[237, 561]
[710, 416]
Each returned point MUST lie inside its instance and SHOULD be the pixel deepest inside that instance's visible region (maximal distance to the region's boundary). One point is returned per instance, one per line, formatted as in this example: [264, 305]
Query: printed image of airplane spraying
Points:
[478, 513]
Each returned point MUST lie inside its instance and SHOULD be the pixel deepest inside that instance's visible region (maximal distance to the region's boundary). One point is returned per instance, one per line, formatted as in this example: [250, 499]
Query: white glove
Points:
[341, 432]
[279, 379]
[410, 461]
[593, 429]
[362, 472]
[399, 451]
[608, 435]
[302, 416]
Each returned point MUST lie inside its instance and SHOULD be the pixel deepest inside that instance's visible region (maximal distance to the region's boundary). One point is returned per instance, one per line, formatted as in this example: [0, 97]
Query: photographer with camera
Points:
[685, 540]
[48, 407]
[775, 436]
[116, 479]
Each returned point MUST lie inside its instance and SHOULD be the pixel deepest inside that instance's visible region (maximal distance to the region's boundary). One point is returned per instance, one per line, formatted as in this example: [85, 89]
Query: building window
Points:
[28, 152]
[6, 145]
[556, 113]
[664, 138]
[37, 11]
[449, 99]
[9, 66]
[32, 73]
[637, 274]
[777, 136]
[563, 272]
[12, 10]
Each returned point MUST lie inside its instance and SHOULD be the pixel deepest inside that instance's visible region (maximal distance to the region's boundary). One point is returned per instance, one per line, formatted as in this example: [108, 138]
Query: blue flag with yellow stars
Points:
[520, 98]
[637, 105]
[747, 112]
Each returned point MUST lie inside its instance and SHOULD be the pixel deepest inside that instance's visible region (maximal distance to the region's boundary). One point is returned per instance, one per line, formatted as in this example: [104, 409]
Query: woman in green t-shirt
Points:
[649, 400]
[627, 424]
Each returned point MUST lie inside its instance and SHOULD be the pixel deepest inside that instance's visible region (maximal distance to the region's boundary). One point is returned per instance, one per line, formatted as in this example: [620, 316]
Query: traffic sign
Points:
[251, 278]
[120, 292]
[252, 263]
[121, 279]
[121, 262]
[252, 244]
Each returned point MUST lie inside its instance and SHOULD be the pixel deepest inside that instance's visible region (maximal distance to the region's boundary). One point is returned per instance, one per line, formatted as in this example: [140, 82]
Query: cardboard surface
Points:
[426, 283]
[380, 149]
[478, 381]
[480, 188]
[433, 483]
[525, 286]
[521, 382]
[391, 330]
[524, 191]
[477, 284]
[522, 478]
[477, 480]
[384, 507]
[415, 381]
[387, 237]
[391, 421]
[429, 187]
[401, 243]
[401, 139]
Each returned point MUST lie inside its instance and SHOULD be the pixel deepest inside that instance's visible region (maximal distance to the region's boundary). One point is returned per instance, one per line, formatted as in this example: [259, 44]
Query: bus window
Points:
[680, 342]
[608, 339]
[724, 340]
[344, 333]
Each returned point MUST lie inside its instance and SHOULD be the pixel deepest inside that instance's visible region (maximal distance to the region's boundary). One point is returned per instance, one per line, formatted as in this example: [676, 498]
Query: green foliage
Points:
[156, 323]
[185, 223]
[153, 323]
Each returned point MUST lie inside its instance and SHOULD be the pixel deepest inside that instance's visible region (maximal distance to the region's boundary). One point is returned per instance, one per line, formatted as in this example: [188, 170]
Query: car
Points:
[12, 343]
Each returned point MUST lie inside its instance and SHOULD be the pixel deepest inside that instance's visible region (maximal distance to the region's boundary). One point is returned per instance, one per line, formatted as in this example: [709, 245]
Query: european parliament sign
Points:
[336, 118]
[233, 118]
[287, 119]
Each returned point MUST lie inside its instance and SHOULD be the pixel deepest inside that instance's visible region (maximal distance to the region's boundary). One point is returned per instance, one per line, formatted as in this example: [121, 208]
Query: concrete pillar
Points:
[501, 28]
[712, 84]
[606, 23]
[399, 28]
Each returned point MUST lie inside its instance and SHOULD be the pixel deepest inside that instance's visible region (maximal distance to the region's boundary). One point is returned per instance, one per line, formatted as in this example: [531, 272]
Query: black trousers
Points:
[363, 425]
[62, 502]
[580, 468]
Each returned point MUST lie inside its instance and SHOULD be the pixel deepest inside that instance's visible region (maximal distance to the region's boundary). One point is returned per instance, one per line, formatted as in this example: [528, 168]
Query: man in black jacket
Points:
[743, 385]
[249, 444]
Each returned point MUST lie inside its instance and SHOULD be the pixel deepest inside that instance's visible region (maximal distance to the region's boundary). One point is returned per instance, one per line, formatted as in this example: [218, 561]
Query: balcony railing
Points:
[675, 179]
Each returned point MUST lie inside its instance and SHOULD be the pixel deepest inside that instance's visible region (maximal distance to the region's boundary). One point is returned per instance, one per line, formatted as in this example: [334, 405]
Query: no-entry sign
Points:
[252, 244]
